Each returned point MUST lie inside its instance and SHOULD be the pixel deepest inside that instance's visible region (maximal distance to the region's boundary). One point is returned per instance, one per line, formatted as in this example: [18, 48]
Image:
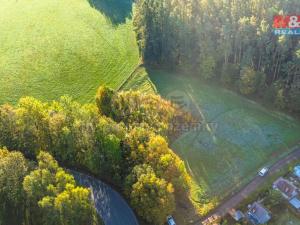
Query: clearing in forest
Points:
[237, 137]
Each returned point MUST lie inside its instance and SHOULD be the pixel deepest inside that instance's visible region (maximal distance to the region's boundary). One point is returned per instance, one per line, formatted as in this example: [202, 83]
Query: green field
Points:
[237, 138]
[285, 218]
[51, 48]
[139, 81]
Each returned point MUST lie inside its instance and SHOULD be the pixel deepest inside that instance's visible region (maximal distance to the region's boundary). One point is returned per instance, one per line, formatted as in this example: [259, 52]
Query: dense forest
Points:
[121, 139]
[230, 41]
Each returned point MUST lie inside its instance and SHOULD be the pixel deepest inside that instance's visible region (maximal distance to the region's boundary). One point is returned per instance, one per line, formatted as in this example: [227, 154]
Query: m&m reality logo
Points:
[286, 25]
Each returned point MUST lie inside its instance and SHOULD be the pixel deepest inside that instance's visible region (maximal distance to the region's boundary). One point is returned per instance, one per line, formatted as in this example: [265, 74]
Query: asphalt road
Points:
[110, 205]
[246, 191]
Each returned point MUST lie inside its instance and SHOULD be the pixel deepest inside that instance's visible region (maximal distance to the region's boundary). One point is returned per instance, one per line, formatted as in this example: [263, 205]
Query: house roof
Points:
[237, 215]
[297, 170]
[295, 202]
[285, 187]
[258, 214]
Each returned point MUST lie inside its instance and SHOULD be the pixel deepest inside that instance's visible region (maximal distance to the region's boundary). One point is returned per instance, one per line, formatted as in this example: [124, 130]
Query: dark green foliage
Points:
[104, 100]
[220, 33]
[166, 30]
[207, 67]
[230, 74]
[274, 198]
[250, 81]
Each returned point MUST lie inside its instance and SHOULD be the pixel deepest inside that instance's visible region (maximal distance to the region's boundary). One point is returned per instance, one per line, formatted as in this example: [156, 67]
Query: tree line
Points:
[230, 41]
[121, 139]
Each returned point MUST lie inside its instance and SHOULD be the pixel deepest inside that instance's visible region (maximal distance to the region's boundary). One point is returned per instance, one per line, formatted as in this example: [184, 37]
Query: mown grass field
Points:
[238, 136]
[51, 48]
[285, 218]
[140, 81]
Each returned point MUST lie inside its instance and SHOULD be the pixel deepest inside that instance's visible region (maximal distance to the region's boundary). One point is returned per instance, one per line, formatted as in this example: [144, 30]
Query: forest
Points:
[229, 41]
[121, 139]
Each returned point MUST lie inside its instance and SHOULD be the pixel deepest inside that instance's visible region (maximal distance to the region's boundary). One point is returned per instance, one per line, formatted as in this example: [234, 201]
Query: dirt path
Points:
[233, 201]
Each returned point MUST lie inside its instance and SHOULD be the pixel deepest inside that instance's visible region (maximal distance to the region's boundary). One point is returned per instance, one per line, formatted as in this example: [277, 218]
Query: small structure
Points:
[297, 171]
[237, 215]
[257, 214]
[295, 202]
[286, 188]
[213, 220]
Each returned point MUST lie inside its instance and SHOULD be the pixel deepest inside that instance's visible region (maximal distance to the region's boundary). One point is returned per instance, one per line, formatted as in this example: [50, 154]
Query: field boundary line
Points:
[129, 77]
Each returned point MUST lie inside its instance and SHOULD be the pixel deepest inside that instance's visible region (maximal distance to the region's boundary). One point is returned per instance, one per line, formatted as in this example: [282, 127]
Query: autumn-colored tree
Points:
[250, 81]
[13, 169]
[80, 136]
[153, 150]
[8, 131]
[104, 100]
[54, 198]
[151, 196]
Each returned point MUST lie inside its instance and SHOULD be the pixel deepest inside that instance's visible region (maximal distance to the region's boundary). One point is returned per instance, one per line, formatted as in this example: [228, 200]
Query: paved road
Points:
[110, 205]
[233, 201]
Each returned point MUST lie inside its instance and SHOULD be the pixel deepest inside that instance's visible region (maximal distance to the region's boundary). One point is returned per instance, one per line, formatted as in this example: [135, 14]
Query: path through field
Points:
[237, 136]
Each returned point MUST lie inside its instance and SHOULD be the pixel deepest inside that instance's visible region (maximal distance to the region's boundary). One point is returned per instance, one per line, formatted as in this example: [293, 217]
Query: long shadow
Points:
[115, 10]
[109, 204]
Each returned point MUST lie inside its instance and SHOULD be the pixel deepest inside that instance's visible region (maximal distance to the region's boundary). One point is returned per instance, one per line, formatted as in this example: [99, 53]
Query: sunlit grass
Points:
[242, 136]
[51, 48]
[140, 80]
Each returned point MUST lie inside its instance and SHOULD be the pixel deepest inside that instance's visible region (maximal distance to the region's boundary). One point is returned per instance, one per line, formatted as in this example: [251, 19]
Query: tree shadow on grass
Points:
[115, 10]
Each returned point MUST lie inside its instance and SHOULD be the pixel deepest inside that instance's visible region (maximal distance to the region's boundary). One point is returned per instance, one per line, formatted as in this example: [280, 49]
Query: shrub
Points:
[230, 74]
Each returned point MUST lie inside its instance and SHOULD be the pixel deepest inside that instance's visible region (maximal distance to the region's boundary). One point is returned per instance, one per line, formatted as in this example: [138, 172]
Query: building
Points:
[257, 214]
[237, 215]
[297, 171]
[286, 188]
[295, 202]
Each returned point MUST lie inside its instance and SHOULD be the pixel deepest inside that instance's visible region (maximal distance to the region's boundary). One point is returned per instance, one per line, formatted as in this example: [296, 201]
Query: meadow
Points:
[285, 217]
[139, 80]
[52, 48]
[236, 138]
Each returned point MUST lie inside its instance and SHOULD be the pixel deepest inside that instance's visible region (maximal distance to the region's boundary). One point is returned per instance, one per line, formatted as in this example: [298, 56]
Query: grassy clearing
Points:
[139, 80]
[51, 48]
[238, 137]
[285, 218]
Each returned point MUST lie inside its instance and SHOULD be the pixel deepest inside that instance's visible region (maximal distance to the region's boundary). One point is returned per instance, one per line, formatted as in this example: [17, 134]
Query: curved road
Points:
[233, 201]
[110, 205]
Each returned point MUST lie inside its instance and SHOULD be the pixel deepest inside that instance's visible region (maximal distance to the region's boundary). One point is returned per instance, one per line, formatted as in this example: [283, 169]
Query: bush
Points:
[251, 81]
[230, 74]
[207, 67]
[104, 100]
[274, 198]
